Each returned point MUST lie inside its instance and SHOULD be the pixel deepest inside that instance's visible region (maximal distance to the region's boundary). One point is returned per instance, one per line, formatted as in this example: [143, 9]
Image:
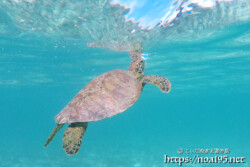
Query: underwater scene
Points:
[136, 83]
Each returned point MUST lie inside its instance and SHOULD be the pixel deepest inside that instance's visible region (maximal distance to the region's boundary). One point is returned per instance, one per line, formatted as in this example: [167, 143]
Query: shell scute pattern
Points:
[105, 96]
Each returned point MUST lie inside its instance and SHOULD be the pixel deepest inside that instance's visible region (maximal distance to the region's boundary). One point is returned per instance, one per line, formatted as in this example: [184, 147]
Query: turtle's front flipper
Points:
[159, 81]
[72, 137]
[53, 133]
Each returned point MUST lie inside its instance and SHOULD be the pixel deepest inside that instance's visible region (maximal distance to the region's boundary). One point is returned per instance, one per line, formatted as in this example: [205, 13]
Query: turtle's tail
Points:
[53, 133]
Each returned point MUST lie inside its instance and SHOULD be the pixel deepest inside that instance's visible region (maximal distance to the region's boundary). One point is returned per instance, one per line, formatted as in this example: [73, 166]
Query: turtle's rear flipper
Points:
[72, 137]
[159, 81]
[53, 133]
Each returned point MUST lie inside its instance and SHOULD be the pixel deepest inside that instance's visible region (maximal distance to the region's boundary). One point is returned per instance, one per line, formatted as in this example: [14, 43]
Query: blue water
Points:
[208, 66]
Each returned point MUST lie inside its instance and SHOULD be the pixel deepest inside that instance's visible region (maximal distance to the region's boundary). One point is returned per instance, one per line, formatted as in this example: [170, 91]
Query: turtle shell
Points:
[106, 95]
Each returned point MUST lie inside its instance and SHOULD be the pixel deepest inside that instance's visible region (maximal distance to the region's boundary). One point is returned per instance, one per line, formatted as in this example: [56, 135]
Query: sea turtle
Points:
[105, 96]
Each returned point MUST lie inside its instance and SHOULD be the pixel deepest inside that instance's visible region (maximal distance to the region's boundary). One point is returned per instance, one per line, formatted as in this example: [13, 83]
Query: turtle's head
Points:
[137, 66]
